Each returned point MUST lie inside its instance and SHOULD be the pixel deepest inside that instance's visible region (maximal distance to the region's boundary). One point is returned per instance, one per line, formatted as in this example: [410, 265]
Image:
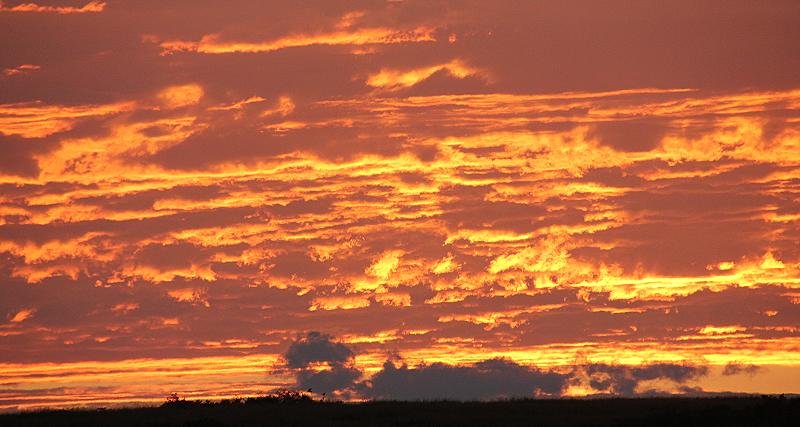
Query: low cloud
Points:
[326, 366]
[316, 347]
[321, 364]
[738, 368]
[486, 380]
[335, 378]
[623, 380]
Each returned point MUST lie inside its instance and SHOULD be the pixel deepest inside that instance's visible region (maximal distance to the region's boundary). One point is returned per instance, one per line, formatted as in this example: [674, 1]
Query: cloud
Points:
[91, 7]
[391, 79]
[733, 368]
[321, 364]
[519, 191]
[17, 155]
[489, 379]
[215, 44]
[22, 69]
[22, 315]
[181, 96]
[631, 135]
[623, 380]
[36, 119]
[316, 347]
[328, 380]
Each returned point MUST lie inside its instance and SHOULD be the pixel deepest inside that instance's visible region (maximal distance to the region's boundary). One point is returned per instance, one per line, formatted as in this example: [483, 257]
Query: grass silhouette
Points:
[291, 408]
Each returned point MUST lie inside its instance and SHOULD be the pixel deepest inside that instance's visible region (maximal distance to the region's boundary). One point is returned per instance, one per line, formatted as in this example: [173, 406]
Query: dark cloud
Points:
[289, 264]
[316, 347]
[623, 380]
[733, 368]
[632, 135]
[17, 155]
[489, 379]
[180, 255]
[325, 381]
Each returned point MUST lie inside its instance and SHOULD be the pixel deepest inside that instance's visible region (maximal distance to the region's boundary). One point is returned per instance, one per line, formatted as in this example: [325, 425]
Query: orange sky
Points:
[187, 188]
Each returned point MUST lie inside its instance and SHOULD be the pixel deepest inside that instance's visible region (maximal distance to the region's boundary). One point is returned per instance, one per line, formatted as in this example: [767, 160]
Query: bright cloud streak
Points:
[90, 7]
[214, 44]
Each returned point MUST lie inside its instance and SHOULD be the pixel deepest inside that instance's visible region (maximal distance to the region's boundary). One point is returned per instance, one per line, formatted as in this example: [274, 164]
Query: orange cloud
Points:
[339, 303]
[22, 69]
[37, 119]
[483, 214]
[254, 183]
[384, 266]
[181, 96]
[191, 295]
[215, 44]
[397, 79]
[445, 265]
[23, 315]
[91, 7]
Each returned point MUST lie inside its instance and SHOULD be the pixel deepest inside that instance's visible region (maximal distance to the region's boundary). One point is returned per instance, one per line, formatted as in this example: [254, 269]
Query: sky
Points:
[381, 199]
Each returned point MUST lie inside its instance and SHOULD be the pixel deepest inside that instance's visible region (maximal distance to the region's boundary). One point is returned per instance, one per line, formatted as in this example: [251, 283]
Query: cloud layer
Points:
[454, 182]
[489, 379]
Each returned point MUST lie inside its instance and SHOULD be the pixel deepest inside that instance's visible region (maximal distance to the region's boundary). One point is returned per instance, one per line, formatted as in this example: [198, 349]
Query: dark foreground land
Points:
[747, 411]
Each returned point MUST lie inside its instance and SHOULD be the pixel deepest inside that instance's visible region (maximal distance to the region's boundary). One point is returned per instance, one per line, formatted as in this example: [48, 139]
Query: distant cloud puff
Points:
[91, 7]
[316, 347]
[737, 368]
[623, 380]
[319, 348]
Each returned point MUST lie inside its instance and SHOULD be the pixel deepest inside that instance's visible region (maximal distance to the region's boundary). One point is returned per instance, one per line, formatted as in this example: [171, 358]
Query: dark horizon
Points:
[775, 411]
